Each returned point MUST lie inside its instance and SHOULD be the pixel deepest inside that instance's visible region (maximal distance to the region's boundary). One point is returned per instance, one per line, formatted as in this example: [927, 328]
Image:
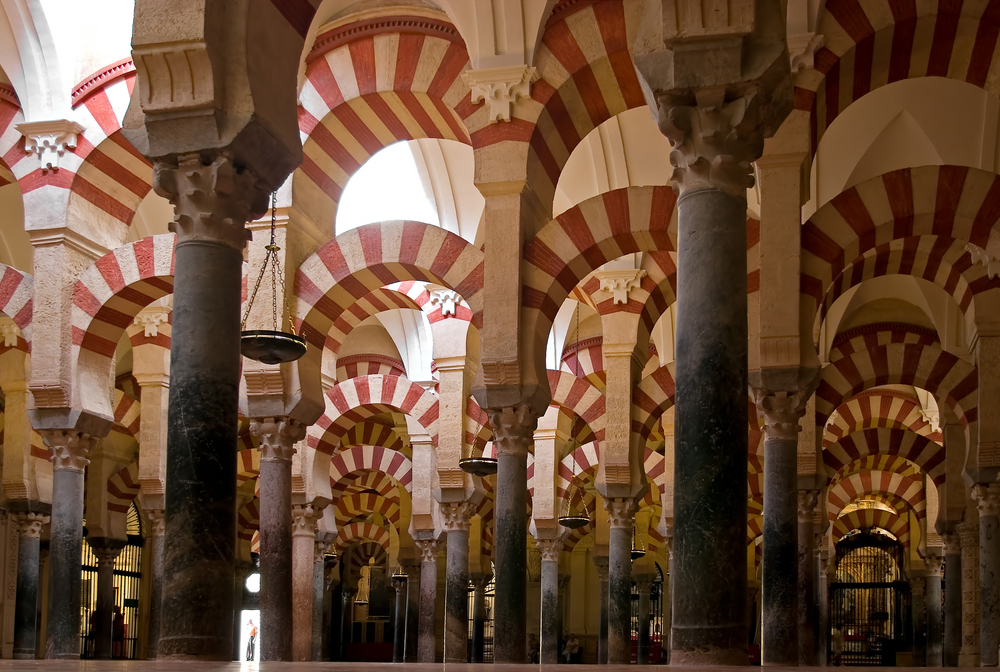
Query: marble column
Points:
[644, 586]
[548, 629]
[347, 621]
[933, 602]
[620, 510]
[918, 607]
[399, 629]
[320, 548]
[26, 590]
[69, 458]
[412, 611]
[479, 583]
[821, 598]
[277, 437]
[426, 645]
[513, 429]
[807, 500]
[968, 534]
[106, 550]
[780, 572]
[952, 598]
[304, 518]
[155, 537]
[211, 204]
[602, 622]
[988, 503]
[455, 521]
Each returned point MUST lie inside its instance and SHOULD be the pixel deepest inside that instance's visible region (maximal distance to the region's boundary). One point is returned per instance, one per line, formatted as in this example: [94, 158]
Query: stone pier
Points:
[918, 604]
[807, 500]
[303, 558]
[412, 611]
[155, 538]
[934, 623]
[988, 503]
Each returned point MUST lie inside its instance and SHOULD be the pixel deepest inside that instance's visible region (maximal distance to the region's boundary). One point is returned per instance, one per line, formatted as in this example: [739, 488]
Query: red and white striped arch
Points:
[361, 532]
[909, 489]
[585, 360]
[369, 85]
[476, 417]
[871, 43]
[17, 291]
[651, 397]
[755, 477]
[364, 364]
[863, 519]
[123, 488]
[920, 450]
[952, 381]
[11, 146]
[248, 520]
[358, 399]
[877, 462]
[912, 221]
[360, 481]
[581, 398]
[374, 431]
[360, 553]
[367, 258]
[369, 458]
[247, 465]
[126, 411]
[882, 333]
[876, 408]
[374, 302]
[366, 503]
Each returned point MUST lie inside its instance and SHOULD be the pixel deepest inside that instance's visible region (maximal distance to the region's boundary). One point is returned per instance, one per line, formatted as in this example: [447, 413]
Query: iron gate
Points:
[870, 601]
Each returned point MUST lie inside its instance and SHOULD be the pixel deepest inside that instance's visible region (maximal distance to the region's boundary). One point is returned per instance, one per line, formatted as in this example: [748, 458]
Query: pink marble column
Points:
[303, 556]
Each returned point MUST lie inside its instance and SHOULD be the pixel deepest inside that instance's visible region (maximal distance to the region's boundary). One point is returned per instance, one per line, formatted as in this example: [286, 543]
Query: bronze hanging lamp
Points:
[638, 550]
[271, 346]
[478, 466]
[572, 519]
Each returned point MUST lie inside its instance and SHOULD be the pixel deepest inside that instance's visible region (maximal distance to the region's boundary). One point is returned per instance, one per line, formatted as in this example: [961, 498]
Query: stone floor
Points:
[144, 666]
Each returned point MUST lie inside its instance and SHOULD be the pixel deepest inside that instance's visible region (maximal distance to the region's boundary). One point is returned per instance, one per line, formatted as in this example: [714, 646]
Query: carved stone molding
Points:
[151, 318]
[807, 505]
[802, 49]
[157, 522]
[513, 429]
[550, 549]
[981, 256]
[714, 141]
[428, 549]
[620, 282]
[456, 515]
[500, 88]
[30, 524]
[933, 564]
[263, 381]
[987, 499]
[968, 535]
[106, 555]
[782, 411]
[49, 140]
[212, 201]
[620, 511]
[952, 543]
[70, 450]
[448, 300]
[11, 332]
[304, 518]
[277, 437]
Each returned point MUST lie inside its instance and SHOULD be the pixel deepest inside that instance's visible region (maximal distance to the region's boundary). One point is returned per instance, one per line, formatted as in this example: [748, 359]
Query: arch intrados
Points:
[881, 462]
[913, 504]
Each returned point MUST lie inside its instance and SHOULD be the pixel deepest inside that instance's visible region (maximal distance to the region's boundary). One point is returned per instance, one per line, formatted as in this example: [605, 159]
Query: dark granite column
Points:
[602, 623]
[455, 517]
[106, 550]
[988, 502]
[933, 602]
[277, 437]
[918, 608]
[819, 601]
[399, 626]
[479, 583]
[644, 585]
[548, 641]
[426, 645]
[952, 599]
[620, 510]
[968, 534]
[780, 575]
[320, 549]
[347, 621]
[69, 458]
[412, 611]
[825, 570]
[155, 538]
[26, 592]
[512, 434]
[211, 204]
[807, 500]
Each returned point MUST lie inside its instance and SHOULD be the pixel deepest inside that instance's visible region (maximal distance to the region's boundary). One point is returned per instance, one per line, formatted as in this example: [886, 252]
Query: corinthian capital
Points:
[513, 429]
[212, 200]
[620, 511]
[550, 549]
[987, 499]
[277, 437]
[782, 411]
[428, 549]
[456, 515]
[70, 450]
[304, 518]
[807, 505]
[30, 524]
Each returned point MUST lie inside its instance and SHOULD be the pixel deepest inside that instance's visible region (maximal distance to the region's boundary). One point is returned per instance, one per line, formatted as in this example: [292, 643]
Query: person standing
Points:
[253, 638]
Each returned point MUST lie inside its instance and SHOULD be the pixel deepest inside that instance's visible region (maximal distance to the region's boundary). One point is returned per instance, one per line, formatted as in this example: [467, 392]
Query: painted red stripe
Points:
[407, 59]
[120, 140]
[863, 67]
[985, 45]
[901, 52]
[363, 59]
[593, 97]
[452, 64]
[319, 177]
[325, 83]
[357, 128]
[945, 28]
[419, 114]
[388, 117]
[99, 105]
[118, 173]
[36, 179]
[851, 17]
[457, 127]
[113, 207]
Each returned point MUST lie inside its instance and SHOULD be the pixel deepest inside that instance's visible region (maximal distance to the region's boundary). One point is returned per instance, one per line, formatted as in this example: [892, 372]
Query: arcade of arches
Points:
[719, 287]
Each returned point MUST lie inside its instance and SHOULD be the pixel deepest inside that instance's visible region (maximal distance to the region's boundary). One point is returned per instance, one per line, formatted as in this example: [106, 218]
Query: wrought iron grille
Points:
[870, 601]
[655, 619]
[487, 621]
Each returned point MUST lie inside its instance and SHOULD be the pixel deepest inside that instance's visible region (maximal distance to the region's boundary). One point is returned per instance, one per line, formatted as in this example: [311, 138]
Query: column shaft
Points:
[318, 590]
[303, 559]
[952, 601]
[511, 524]
[780, 577]
[642, 657]
[275, 559]
[919, 611]
[479, 620]
[347, 623]
[426, 645]
[709, 603]
[988, 498]
[934, 648]
[806, 588]
[155, 583]
[103, 616]
[969, 539]
[26, 591]
[620, 596]
[413, 583]
[62, 630]
[602, 621]
[548, 641]
[456, 597]
[399, 630]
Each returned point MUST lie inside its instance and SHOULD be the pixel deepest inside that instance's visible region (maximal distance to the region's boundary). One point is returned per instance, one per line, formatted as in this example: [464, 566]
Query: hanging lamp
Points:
[271, 346]
[478, 465]
[571, 519]
[638, 550]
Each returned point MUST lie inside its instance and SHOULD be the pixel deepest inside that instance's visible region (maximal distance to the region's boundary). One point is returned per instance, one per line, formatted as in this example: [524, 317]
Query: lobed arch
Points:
[907, 488]
[106, 299]
[362, 503]
[864, 519]
[393, 464]
[879, 408]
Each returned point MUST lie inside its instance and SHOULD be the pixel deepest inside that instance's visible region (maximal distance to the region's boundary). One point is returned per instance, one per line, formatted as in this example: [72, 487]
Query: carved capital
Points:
[981, 256]
[968, 534]
[157, 522]
[49, 140]
[304, 518]
[107, 554]
[399, 581]
[277, 437]
[320, 548]
[933, 564]
[513, 429]
[620, 511]
[550, 549]
[212, 201]
[644, 586]
[714, 141]
[782, 411]
[807, 505]
[987, 499]
[456, 515]
[619, 282]
[480, 581]
[952, 543]
[29, 525]
[917, 584]
[601, 563]
[150, 319]
[70, 450]
[500, 88]
[428, 549]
